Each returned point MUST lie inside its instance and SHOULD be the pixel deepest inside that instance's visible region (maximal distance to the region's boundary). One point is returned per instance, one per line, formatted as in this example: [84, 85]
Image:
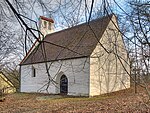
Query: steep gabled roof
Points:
[5, 79]
[75, 42]
[13, 79]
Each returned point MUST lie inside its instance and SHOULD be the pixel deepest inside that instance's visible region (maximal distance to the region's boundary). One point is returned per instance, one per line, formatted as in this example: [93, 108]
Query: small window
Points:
[33, 72]
[45, 24]
[49, 26]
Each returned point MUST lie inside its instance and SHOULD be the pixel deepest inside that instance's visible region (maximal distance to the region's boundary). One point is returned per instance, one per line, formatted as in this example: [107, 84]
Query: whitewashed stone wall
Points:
[49, 28]
[76, 70]
[106, 71]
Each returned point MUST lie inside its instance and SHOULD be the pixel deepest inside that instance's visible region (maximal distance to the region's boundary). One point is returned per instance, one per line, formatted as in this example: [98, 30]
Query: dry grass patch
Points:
[122, 101]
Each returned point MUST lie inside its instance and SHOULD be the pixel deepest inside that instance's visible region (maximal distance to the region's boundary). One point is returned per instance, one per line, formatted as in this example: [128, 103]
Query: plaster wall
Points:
[76, 70]
[109, 66]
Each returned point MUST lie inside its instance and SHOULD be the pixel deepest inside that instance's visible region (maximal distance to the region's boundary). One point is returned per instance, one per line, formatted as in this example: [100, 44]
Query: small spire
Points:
[46, 25]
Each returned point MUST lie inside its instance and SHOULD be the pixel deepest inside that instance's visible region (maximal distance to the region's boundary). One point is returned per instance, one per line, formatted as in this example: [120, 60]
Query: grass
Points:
[121, 101]
[57, 98]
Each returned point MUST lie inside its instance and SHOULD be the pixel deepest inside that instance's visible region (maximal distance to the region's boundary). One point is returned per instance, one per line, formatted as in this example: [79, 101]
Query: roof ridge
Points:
[91, 21]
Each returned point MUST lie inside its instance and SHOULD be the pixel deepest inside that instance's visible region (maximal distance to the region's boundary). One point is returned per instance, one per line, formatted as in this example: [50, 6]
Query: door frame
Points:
[63, 84]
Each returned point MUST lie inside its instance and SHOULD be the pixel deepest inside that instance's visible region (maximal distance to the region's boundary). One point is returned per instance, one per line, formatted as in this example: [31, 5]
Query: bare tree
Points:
[139, 20]
[69, 13]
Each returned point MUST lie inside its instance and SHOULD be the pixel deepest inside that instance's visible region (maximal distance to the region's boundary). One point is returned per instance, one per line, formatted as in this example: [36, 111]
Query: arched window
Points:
[49, 26]
[63, 85]
[45, 24]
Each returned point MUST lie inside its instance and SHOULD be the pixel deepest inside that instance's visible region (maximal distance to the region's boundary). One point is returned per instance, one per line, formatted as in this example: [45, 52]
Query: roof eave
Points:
[54, 60]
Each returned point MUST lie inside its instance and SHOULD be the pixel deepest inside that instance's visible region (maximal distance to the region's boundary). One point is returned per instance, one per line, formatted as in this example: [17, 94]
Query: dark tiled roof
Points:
[47, 19]
[75, 42]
